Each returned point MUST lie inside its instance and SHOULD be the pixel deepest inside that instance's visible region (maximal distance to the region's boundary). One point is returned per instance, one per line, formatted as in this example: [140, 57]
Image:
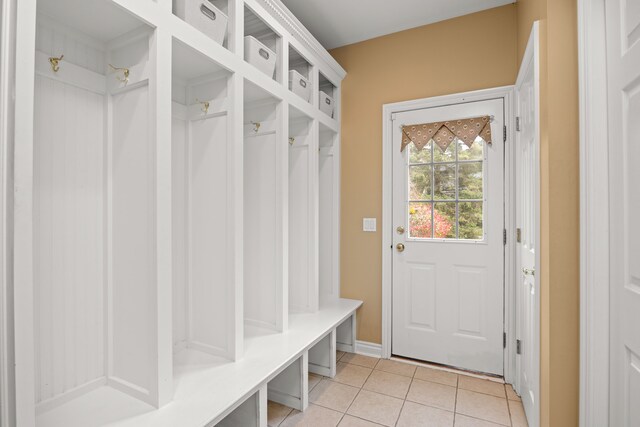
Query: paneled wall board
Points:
[260, 217]
[209, 315]
[69, 275]
[328, 222]
[300, 233]
[180, 242]
[55, 39]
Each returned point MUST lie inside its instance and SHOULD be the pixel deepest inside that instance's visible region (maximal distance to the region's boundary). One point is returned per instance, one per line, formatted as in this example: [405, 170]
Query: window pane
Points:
[470, 221]
[448, 155]
[444, 220]
[445, 182]
[470, 181]
[420, 220]
[473, 153]
[420, 182]
[422, 156]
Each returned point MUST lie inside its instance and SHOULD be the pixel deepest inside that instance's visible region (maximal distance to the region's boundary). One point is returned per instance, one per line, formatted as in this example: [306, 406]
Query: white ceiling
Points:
[341, 22]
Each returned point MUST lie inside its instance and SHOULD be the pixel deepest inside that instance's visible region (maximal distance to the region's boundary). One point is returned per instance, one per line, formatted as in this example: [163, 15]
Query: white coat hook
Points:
[125, 74]
[256, 126]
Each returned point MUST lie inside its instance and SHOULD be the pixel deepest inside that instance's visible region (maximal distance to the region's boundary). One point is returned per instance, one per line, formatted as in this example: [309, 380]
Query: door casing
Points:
[594, 238]
[506, 93]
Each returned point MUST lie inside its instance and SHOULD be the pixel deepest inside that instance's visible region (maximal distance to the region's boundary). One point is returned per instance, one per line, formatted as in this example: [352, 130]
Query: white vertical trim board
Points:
[388, 110]
[7, 55]
[23, 211]
[594, 216]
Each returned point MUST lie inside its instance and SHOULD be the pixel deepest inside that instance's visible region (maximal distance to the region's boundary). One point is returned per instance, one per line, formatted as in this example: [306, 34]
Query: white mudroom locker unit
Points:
[177, 177]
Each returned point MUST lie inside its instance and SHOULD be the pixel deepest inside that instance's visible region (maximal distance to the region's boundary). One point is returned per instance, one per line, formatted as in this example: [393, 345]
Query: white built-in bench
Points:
[209, 391]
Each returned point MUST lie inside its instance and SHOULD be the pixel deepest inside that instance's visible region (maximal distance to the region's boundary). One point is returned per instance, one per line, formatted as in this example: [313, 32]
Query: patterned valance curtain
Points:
[444, 133]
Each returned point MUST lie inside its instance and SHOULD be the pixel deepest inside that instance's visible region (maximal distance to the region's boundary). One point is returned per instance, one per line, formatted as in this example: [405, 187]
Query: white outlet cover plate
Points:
[369, 224]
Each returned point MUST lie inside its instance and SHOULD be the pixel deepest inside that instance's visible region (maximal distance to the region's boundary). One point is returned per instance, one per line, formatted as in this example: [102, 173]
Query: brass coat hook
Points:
[55, 63]
[125, 74]
[256, 126]
[291, 140]
[205, 105]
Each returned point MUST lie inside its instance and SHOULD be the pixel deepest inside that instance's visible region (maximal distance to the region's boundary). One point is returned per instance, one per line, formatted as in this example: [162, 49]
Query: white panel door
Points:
[448, 213]
[623, 69]
[527, 147]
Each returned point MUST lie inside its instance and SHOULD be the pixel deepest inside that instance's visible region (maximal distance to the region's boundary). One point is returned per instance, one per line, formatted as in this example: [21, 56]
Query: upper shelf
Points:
[100, 19]
[189, 64]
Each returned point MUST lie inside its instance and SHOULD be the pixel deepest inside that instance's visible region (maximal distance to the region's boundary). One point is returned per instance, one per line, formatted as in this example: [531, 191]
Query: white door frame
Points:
[594, 215]
[7, 61]
[506, 93]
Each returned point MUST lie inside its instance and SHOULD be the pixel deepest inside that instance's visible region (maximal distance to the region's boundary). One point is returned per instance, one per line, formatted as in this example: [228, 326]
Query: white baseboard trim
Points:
[369, 349]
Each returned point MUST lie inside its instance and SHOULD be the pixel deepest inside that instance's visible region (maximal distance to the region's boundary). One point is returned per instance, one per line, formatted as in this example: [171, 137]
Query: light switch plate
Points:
[369, 224]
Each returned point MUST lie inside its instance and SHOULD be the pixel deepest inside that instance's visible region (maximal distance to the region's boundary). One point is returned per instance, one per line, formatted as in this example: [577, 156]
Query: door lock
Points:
[528, 272]
[400, 229]
[400, 247]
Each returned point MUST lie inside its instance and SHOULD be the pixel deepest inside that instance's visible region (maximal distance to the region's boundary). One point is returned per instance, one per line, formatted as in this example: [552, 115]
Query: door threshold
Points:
[447, 368]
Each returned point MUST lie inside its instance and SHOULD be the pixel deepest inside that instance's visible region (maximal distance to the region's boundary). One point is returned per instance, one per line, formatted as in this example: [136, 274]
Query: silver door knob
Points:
[400, 247]
[528, 272]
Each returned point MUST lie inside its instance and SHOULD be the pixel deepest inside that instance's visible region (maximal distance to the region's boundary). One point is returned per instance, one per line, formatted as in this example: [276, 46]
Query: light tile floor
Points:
[375, 392]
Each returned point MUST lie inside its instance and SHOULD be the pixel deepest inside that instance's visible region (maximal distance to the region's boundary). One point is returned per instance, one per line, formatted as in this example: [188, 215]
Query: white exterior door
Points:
[623, 70]
[527, 149]
[448, 215]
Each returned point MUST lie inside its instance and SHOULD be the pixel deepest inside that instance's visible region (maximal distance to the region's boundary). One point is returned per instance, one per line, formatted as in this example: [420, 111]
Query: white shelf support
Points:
[23, 213]
[236, 27]
[282, 203]
[160, 96]
[235, 207]
[314, 214]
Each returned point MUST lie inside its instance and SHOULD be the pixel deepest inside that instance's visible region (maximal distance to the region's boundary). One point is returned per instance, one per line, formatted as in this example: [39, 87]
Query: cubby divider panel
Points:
[329, 216]
[203, 294]
[132, 292]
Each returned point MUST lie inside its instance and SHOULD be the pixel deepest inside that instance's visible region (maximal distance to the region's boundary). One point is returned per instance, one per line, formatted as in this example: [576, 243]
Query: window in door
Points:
[446, 191]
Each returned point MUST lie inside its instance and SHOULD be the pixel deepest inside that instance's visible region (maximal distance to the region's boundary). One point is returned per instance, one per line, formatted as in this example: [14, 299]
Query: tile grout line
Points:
[455, 403]
[357, 394]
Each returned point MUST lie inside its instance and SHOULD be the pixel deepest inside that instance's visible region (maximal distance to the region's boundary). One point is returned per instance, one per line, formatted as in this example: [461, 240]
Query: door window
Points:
[446, 191]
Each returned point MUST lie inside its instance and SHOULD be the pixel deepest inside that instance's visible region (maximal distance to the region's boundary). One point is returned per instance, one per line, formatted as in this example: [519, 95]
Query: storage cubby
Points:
[203, 294]
[94, 244]
[173, 212]
[300, 75]
[291, 386]
[303, 265]
[327, 96]
[264, 213]
[346, 335]
[322, 356]
[329, 215]
[210, 17]
[262, 45]
[250, 413]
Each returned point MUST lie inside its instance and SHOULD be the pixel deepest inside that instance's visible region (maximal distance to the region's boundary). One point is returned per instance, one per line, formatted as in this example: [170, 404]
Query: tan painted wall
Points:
[471, 52]
[413, 64]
